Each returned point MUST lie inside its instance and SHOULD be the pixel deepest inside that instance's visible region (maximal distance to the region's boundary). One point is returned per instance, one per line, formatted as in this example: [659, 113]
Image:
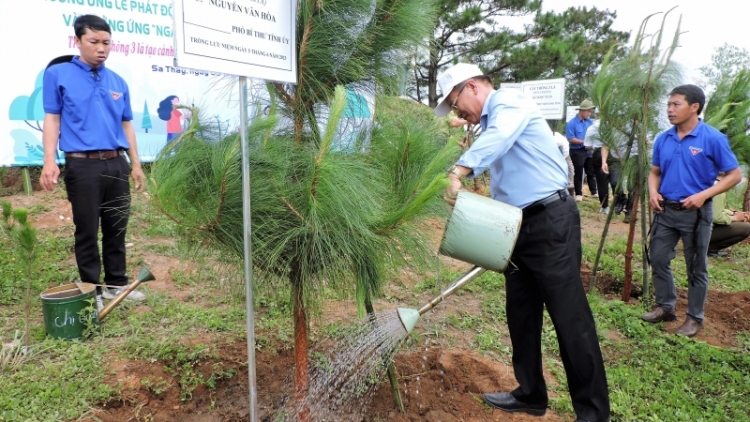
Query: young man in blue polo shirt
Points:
[687, 158]
[87, 109]
[575, 131]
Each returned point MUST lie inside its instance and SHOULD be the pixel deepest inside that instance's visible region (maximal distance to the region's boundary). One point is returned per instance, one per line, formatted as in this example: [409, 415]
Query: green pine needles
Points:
[322, 217]
[339, 219]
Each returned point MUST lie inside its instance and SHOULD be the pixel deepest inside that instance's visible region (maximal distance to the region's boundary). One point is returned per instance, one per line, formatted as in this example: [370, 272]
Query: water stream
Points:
[345, 375]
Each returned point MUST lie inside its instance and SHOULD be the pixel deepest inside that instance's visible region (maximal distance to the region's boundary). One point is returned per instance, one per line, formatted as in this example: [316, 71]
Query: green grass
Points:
[653, 375]
[58, 384]
[658, 376]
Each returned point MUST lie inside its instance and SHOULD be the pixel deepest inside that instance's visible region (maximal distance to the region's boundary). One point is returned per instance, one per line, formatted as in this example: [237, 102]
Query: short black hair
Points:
[92, 22]
[693, 94]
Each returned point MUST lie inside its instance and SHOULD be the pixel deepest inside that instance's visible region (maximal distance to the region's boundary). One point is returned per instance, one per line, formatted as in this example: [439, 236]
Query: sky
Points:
[706, 24]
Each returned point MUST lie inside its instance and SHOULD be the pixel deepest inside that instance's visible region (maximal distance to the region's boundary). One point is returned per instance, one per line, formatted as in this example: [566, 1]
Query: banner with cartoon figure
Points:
[142, 51]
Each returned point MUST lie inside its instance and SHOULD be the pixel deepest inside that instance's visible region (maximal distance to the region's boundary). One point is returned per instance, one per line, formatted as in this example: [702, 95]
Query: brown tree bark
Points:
[301, 362]
[628, 283]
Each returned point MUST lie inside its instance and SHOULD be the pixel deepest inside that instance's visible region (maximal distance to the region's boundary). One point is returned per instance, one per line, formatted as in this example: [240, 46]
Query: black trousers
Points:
[582, 163]
[99, 191]
[546, 273]
[604, 180]
[724, 236]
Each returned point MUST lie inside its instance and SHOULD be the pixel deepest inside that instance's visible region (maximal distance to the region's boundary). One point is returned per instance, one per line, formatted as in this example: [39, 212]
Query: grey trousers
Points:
[670, 226]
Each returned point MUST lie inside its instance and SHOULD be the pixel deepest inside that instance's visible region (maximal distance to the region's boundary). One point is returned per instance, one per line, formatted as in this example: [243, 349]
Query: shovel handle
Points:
[119, 298]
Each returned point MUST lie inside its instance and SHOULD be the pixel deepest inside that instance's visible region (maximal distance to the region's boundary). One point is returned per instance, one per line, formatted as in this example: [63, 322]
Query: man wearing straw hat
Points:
[582, 158]
[528, 171]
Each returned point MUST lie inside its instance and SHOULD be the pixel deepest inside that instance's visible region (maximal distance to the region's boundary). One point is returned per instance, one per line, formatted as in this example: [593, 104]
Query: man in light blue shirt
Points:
[528, 171]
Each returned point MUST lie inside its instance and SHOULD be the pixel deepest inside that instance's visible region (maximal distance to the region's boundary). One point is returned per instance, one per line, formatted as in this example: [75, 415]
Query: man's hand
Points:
[451, 192]
[693, 202]
[50, 174]
[654, 200]
[139, 178]
[458, 122]
[740, 217]
[605, 168]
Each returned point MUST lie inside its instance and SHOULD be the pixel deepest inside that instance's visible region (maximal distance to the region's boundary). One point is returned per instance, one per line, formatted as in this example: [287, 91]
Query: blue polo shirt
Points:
[91, 106]
[690, 165]
[576, 128]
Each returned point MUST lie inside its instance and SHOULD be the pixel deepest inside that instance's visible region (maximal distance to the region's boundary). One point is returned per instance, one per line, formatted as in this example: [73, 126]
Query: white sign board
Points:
[570, 112]
[254, 38]
[549, 95]
[142, 52]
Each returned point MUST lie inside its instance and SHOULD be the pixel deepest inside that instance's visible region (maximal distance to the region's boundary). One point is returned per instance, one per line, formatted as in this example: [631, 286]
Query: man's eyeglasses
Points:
[453, 104]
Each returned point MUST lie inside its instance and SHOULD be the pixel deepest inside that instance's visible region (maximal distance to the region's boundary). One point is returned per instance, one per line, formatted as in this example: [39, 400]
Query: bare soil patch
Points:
[436, 385]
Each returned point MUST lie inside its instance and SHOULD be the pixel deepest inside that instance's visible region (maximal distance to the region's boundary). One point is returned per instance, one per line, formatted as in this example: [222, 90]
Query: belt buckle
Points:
[101, 155]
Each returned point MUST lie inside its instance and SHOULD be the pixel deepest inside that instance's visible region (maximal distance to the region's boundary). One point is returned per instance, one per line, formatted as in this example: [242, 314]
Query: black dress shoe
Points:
[508, 403]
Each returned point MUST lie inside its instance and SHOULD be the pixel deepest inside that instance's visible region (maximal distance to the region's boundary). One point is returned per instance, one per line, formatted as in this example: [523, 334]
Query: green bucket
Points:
[65, 310]
[481, 231]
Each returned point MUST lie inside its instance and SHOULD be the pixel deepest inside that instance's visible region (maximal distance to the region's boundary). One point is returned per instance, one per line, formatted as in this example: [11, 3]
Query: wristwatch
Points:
[457, 172]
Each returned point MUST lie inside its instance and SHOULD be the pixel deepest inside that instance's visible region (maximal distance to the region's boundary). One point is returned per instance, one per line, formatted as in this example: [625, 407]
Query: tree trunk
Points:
[746, 197]
[645, 216]
[592, 280]
[301, 363]
[432, 71]
[299, 125]
[628, 283]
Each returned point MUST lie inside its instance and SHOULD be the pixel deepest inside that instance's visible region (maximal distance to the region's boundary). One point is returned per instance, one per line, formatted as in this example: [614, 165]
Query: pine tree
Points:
[629, 94]
[146, 121]
[322, 218]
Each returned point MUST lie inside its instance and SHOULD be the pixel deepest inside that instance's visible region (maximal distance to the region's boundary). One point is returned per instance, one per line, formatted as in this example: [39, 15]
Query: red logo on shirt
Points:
[696, 150]
[115, 95]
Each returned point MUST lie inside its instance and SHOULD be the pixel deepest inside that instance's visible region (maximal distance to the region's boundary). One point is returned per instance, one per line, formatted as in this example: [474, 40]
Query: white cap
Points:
[449, 79]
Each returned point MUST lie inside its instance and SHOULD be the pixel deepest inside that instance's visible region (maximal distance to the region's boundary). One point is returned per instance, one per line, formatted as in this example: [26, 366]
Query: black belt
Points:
[677, 205]
[96, 155]
[543, 203]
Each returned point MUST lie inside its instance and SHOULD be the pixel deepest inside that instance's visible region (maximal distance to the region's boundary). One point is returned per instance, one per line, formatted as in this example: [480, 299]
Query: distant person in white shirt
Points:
[564, 146]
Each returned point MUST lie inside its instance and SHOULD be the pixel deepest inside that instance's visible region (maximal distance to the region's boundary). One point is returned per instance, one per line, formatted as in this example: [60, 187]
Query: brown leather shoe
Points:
[658, 315]
[689, 328]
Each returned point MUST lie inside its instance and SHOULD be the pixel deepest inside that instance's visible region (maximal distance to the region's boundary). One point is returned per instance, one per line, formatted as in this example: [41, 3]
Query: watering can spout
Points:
[143, 276]
[409, 318]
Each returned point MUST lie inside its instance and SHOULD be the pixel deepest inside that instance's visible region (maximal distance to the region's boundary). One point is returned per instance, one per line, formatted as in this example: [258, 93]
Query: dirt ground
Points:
[437, 384]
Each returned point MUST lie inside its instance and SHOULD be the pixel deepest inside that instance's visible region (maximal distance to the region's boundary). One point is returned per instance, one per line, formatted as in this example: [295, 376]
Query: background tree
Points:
[629, 93]
[571, 44]
[726, 62]
[465, 29]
